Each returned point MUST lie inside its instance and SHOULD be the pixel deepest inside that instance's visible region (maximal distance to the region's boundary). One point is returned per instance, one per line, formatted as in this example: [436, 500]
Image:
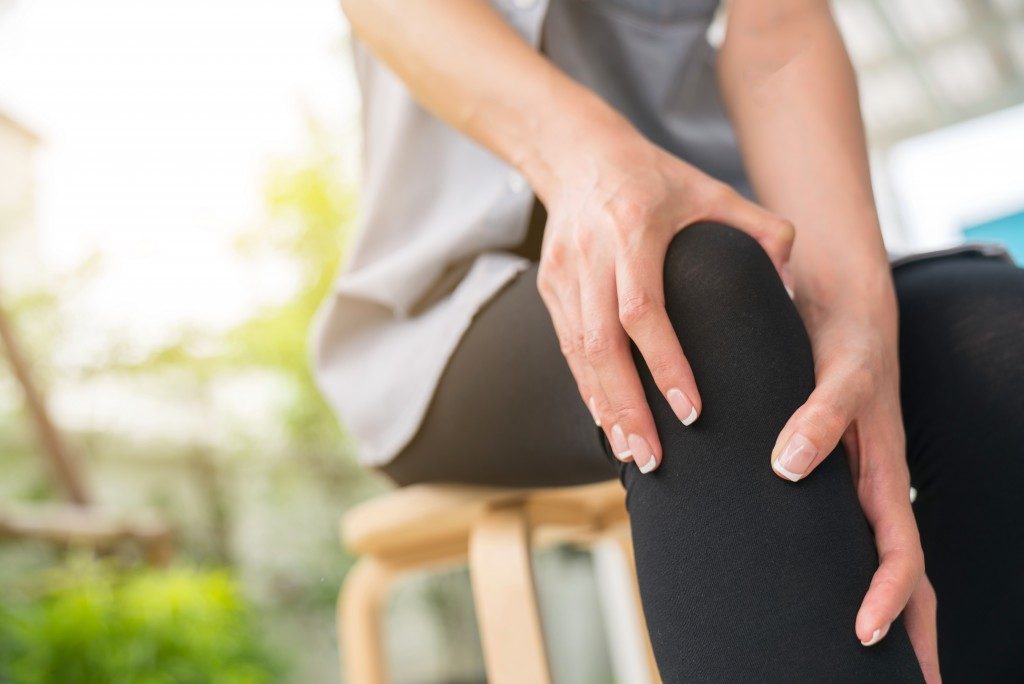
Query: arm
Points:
[614, 200]
[486, 82]
[791, 92]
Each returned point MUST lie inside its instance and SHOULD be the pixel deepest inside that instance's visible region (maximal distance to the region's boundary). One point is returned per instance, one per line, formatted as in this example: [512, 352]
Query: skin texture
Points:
[615, 200]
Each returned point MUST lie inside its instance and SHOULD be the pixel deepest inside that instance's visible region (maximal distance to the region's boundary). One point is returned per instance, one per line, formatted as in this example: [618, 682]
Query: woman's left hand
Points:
[857, 401]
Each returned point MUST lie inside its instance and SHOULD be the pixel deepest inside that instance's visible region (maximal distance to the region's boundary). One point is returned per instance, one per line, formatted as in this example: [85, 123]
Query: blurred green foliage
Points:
[228, 499]
[310, 201]
[311, 207]
[89, 625]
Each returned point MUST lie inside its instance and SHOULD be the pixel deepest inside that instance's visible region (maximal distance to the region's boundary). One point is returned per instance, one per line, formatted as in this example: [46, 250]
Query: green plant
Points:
[92, 625]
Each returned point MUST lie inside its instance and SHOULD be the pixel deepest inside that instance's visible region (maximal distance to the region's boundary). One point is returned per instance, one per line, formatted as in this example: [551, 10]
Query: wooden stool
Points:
[430, 526]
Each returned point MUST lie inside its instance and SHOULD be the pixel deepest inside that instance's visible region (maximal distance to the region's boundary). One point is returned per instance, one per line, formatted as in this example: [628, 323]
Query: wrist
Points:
[863, 310]
[842, 279]
[570, 138]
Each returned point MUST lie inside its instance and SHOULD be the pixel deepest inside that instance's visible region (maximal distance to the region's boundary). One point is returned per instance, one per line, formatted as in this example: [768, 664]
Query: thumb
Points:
[814, 430]
[775, 234]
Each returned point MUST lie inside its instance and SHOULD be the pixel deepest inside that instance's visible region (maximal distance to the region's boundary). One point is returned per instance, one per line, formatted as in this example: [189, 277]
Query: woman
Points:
[764, 441]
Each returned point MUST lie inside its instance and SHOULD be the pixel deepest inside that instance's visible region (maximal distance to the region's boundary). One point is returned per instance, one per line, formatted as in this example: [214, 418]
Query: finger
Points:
[891, 587]
[883, 486]
[919, 618]
[817, 426]
[641, 311]
[774, 233]
[630, 425]
[589, 386]
[562, 303]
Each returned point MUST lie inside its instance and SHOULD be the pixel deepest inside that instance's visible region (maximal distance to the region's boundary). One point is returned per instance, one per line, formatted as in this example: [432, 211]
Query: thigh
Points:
[507, 412]
[962, 362]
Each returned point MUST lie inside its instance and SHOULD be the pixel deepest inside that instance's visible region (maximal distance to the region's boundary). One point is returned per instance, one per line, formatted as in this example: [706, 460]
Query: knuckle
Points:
[579, 345]
[597, 344]
[829, 419]
[567, 345]
[886, 579]
[785, 231]
[584, 241]
[777, 234]
[662, 366]
[627, 411]
[624, 233]
[632, 213]
[917, 564]
[546, 279]
[713, 195]
[545, 289]
[555, 255]
[635, 307]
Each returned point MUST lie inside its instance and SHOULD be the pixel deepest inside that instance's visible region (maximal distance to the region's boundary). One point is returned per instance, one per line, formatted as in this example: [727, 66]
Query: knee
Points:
[721, 288]
[965, 311]
[711, 263]
[961, 335]
[962, 303]
[962, 367]
[737, 325]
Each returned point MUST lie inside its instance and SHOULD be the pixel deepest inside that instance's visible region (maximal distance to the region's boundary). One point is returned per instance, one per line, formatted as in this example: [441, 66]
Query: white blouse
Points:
[440, 214]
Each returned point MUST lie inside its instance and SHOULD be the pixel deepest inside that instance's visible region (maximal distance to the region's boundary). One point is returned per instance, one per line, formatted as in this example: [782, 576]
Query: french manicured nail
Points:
[684, 409]
[877, 636]
[787, 280]
[619, 444]
[642, 454]
[795, 458]
[593, 411]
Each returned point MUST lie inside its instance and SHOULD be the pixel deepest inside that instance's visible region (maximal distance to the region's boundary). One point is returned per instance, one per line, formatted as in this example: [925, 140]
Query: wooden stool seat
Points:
[424, 519]
[494, 530]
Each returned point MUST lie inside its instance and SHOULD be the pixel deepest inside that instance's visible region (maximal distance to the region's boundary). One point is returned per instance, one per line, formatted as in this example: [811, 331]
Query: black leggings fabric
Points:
[746, 577]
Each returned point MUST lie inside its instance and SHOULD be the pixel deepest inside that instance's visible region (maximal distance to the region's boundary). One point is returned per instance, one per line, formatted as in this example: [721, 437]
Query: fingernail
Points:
[876, 636]
[787, 280]
[619, 444]
[796, 458]
[642, 454]
[593, 411]
[683, 407]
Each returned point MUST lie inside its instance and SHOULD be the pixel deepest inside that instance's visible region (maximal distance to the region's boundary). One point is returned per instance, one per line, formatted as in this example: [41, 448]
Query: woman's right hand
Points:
[611, 217]
[614, 200]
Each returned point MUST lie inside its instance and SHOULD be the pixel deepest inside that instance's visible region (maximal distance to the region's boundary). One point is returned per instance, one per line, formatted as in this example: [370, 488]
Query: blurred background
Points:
[177, 181]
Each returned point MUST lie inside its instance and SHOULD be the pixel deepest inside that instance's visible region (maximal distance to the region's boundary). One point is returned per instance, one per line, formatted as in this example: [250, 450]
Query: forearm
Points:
[791, 92]
[486, 81]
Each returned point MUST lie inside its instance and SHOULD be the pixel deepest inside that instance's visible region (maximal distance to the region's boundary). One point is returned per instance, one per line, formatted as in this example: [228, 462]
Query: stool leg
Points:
[506, 603]
[360, 633]
[626, 546]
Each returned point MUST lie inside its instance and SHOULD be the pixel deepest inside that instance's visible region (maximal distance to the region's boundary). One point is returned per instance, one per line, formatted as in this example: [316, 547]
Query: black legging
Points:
[744, 576]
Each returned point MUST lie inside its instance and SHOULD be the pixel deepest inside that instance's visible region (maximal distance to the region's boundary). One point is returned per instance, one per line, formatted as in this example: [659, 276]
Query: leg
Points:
[360, 637]
[962, 359]
[499, 561]
[507, 412]
[744, 577]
